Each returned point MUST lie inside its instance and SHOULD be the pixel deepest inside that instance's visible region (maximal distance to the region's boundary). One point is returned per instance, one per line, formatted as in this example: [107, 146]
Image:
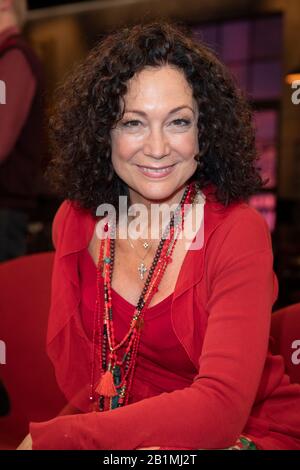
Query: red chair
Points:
[285, 331]
[28, 374]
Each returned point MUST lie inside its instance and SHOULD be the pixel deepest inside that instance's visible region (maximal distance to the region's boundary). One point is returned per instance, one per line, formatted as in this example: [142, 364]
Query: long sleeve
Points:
[59, 222]
[20, 88]
[213, 411]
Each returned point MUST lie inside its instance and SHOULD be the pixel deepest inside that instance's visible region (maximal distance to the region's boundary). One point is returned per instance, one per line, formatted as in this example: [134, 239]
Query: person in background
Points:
[21, 129]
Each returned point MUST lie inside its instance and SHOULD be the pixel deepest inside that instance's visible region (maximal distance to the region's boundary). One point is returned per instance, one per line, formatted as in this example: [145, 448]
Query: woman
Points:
[152, 353]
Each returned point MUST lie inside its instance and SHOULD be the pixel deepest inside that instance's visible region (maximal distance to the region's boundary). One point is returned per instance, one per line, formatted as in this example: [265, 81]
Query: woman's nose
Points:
[156, 143]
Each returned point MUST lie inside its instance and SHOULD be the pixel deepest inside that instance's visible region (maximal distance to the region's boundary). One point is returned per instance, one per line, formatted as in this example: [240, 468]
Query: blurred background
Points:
[258, 40]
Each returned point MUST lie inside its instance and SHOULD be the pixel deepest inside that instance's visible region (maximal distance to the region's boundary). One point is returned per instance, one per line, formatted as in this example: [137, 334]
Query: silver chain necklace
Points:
[142, 268]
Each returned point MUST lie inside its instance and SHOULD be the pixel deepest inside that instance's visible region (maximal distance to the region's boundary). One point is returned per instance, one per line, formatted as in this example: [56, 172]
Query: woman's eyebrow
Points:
[142, 113]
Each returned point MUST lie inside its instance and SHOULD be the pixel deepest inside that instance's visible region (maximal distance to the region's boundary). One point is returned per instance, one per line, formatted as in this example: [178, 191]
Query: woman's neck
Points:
[155, 214]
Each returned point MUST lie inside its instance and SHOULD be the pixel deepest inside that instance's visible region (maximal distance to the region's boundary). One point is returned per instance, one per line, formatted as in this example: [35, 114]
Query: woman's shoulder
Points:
[245, 216]
[237, 213]
[71, 224]
[240, 225]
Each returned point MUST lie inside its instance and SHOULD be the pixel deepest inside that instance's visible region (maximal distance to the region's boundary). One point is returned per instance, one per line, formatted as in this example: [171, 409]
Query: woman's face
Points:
[154, 145]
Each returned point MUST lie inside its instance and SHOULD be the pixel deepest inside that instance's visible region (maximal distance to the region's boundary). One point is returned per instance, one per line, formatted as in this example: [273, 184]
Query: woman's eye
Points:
[133, 123]
[182, 122]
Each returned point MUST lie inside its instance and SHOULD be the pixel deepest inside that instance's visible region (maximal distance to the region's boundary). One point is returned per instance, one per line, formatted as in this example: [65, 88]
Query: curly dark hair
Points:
[88, 107]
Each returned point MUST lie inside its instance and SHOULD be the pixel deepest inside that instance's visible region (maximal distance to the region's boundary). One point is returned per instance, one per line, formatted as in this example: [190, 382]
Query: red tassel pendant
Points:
[106, 385]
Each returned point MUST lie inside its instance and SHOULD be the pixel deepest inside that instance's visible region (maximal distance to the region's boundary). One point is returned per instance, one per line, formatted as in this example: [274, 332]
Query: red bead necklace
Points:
[116, 373]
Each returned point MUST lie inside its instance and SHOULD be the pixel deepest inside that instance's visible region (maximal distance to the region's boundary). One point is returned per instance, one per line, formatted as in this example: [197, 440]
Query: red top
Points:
[220, 312]
[162, 363]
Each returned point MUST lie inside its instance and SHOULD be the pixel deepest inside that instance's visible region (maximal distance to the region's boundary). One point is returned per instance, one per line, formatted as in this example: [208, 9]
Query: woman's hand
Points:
[26, 444]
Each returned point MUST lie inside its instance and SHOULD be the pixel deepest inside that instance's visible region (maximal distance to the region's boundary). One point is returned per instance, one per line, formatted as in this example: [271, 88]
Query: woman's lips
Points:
[156, 173]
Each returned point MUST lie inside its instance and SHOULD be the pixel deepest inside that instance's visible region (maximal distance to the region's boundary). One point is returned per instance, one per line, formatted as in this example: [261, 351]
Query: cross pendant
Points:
[142, 269]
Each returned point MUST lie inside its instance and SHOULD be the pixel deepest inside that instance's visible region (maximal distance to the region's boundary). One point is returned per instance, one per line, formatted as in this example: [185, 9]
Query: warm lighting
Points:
[292, 76]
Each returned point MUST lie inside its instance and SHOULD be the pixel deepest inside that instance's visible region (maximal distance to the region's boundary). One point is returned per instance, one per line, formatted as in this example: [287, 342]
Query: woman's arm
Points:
[67, 410]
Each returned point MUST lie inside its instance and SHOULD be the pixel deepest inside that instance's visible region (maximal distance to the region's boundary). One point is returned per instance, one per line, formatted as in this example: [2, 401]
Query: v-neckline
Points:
[125, 301]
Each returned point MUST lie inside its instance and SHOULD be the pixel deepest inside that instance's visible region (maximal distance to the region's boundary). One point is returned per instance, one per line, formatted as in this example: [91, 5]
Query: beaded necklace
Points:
[116, 373]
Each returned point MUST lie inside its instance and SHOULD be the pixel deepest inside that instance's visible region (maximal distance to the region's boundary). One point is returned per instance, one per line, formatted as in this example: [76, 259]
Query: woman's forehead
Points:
[150, 86]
